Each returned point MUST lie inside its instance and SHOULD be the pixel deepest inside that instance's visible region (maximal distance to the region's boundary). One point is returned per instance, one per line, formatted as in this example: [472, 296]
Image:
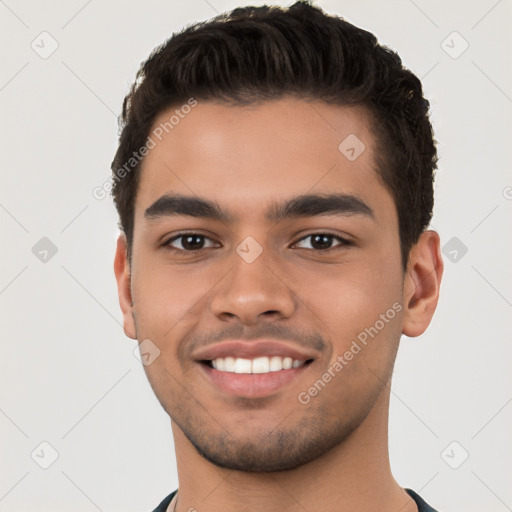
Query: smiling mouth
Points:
[257, 365]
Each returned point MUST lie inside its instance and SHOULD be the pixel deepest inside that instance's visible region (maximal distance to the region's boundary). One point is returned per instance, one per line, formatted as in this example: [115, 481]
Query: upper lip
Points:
[251, 350]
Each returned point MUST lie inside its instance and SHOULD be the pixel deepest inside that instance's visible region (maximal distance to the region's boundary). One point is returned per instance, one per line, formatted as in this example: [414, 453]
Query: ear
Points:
[122, 272]
[421, 283]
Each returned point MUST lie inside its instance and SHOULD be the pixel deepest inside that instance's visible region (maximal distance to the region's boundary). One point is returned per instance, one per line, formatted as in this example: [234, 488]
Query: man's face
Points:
[252, 277]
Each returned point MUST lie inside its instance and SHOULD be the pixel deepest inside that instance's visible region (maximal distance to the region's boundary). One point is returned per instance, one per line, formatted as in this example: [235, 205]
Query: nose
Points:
[253, 291]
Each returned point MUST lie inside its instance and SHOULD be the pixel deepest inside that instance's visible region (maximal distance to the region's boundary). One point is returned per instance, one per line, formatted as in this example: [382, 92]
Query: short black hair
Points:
[253, 54]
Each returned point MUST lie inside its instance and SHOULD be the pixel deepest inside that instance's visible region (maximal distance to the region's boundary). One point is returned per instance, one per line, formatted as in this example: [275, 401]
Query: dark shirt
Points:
[422, 505]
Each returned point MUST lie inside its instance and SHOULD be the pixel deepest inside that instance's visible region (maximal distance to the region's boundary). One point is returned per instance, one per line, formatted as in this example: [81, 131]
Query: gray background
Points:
[68, 375]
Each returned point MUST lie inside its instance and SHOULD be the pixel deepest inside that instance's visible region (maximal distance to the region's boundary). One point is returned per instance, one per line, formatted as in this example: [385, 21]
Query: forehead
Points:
[246, 157]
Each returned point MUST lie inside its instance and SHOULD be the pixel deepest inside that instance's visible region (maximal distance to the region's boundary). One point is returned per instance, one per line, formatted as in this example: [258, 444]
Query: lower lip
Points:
[251, 385]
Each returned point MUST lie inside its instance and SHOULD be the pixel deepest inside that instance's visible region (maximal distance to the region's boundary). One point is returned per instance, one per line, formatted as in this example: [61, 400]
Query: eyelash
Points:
[344, 242]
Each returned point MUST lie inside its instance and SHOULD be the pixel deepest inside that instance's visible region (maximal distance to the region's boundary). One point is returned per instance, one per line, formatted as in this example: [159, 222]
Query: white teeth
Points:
[258, 365]
[243, 365]
[229, 364]
[276, 364]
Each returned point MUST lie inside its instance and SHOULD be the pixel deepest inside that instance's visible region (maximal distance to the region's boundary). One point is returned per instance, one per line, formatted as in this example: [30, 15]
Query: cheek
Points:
[165, 307]
[165, 300]
[360, 309]
[363, 314]
[349, 298]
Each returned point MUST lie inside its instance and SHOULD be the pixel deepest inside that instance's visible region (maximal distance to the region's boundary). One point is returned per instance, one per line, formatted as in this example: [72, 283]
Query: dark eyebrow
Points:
[312, 205]
[302, 206]
[169, 205]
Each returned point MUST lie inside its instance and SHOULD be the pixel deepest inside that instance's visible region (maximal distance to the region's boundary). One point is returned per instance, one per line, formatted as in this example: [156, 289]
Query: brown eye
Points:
[188, 242]
[323, 241]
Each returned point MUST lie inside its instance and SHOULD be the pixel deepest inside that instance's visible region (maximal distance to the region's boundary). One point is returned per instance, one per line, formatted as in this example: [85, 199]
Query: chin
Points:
[274, 451]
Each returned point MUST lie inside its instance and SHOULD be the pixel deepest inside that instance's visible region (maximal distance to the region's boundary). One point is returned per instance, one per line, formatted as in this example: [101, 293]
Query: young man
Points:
[274, 185]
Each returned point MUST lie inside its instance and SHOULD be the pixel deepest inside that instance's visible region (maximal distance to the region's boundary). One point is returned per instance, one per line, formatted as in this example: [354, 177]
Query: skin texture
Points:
[275, 453]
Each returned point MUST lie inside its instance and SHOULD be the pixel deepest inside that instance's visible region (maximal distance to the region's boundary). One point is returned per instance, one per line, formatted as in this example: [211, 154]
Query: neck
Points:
[356, 475]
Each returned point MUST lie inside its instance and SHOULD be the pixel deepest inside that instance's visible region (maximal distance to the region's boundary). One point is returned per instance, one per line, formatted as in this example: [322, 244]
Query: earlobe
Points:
[123, 278]
[422, 283]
